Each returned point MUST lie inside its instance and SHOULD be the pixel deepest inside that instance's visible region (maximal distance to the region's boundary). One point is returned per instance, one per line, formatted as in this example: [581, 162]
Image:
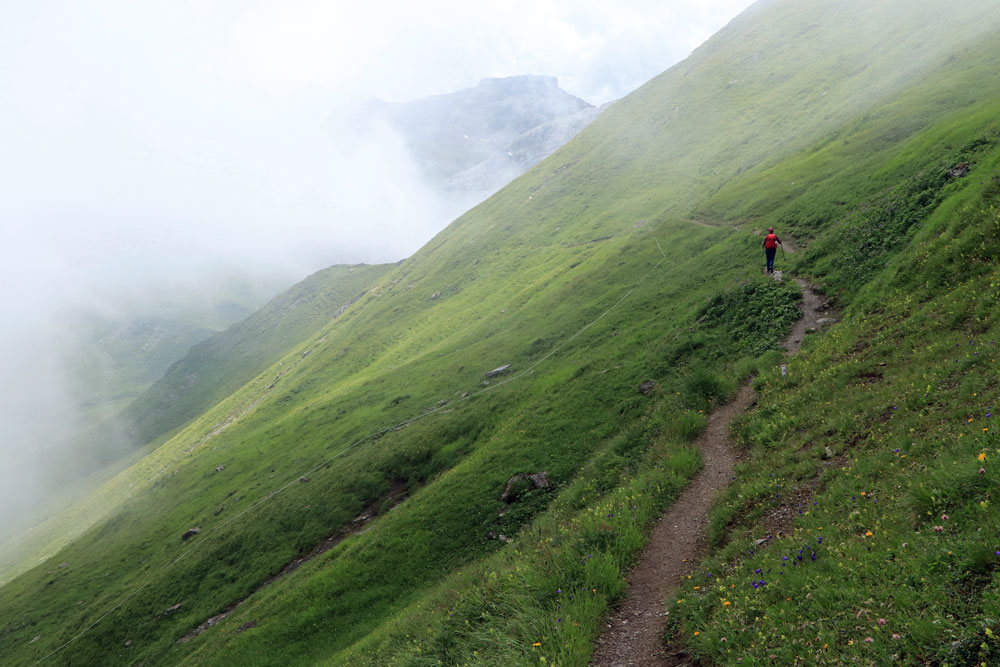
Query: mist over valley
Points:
[559, 333]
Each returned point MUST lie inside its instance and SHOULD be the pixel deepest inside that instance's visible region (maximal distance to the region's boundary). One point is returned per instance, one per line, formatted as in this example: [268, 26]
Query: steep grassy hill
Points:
[114, 352]
[206, 374]
[627, 257]
[216, 368]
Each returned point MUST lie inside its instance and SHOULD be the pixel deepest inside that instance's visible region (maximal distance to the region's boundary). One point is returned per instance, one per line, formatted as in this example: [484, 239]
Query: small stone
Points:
[502, 370]
[220, 468]
[826, 320]
[646, 387]
[960, 170]
[540, 480]
[304, 479]
[191, 533]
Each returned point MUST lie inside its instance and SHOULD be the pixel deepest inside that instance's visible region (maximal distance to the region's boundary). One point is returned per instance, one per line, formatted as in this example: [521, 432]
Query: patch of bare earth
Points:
[634, 636]
[634, 633]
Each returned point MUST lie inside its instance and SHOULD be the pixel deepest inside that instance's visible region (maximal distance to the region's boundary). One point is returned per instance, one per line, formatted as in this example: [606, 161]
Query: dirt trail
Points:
[634, 634]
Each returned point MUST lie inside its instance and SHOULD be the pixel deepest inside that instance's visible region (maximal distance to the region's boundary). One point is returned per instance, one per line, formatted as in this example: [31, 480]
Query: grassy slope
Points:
[400, 350]
[900, 547]
[906, 543]
[859, 191]
[216, 368]
[208, 373]
[113, 358]
[126, 360]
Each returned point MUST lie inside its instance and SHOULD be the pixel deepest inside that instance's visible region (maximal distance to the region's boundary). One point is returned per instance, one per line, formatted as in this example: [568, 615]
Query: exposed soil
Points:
[780, 520]
[635, 632]
[812, 307]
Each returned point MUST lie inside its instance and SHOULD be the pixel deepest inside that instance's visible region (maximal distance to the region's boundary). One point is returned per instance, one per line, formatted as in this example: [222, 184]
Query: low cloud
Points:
[151, 149]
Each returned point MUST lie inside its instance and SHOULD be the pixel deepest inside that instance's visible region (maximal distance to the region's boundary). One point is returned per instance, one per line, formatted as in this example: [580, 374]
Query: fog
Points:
[152, 151]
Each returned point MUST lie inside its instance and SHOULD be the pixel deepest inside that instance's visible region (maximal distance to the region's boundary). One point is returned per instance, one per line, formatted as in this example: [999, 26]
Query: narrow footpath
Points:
[634, 633]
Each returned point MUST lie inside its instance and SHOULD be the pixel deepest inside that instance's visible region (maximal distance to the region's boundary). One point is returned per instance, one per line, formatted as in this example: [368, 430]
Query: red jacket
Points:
[771, 241]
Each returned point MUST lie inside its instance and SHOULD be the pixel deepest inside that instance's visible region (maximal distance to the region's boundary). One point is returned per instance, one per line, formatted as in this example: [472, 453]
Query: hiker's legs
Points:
[770, 253]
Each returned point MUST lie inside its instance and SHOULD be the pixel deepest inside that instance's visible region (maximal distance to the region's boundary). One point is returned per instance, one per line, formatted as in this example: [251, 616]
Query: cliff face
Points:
[478, 139]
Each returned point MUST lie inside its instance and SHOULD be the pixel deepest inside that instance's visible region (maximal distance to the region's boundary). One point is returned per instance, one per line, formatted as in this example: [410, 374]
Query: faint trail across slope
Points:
[634, 634]
[440, 408]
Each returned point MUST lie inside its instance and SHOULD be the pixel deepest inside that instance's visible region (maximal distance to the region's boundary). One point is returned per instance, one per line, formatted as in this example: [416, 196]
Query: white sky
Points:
[147, 144]
[137, 130]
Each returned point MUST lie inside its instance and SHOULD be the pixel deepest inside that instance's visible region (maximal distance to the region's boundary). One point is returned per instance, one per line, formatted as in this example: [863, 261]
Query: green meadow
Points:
[858, 528]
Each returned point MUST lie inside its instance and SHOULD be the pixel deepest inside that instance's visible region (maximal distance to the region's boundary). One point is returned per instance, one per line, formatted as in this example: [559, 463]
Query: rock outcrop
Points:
[540, 480]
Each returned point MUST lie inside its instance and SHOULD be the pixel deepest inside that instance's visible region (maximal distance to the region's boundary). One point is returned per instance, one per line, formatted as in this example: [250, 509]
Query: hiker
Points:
[771, 243]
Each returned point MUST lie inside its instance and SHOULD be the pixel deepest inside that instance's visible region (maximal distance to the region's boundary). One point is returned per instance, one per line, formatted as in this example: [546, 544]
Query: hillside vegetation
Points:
[215, 368]
[865, 130]
[206, 374]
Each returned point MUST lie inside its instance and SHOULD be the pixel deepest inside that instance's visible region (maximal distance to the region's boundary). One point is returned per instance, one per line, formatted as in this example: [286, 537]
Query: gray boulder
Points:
[540, 480]
[503, 370]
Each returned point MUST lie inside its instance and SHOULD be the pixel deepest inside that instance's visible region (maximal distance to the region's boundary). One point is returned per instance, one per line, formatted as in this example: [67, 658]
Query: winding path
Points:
[634, 633]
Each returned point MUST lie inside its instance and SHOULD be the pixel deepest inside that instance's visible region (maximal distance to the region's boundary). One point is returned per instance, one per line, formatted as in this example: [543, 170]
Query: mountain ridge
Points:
[475, 140]
[566, 265]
